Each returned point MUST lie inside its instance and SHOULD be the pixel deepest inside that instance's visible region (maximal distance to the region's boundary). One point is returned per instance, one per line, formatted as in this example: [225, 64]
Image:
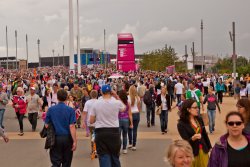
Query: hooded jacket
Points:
[219, 154]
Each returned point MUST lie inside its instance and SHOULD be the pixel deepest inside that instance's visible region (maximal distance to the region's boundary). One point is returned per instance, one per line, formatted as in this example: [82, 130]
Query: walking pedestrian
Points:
[163, 101]
[178, 90]
[220, 88]
[125, 120]
[88, 107]
[3, 135]
[180, 154]
[19, 104]
[233, 148]
[191, 128]
[105, 116]
[34, 105]
[135, 103]
[243, 106]
[149, 100]
[195, 94]
[63, 120]
[3, 102]
[211, 99]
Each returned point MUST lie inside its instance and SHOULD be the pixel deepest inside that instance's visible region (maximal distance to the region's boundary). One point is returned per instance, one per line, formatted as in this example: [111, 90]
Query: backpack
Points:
[147, 99]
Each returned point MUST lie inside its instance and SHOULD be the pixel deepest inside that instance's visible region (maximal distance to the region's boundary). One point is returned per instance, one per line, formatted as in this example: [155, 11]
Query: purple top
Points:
[124, 115]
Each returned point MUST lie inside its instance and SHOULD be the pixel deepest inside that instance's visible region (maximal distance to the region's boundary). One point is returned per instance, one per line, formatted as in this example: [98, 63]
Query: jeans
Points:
[124, 124]
[151, 112]
[107, 160]
[178, 98]
[1, 117]
[61, 154]
[132, 132]
[33, 120]
[211, 117]
[20, 120]
[164, 120]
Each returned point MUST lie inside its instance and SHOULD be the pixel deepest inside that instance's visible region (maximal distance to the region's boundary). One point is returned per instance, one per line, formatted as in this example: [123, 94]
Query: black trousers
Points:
[220, 96]
[20, 120]
[61, 154]
[150, 112]
[33, 119]
[108, 141]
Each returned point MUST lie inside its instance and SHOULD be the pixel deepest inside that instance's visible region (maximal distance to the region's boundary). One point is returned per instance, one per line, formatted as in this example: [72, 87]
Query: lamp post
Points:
[7, 49]
[105, 55]
[63, 56]
[71, 37]
[53, 51]
[38, 44]
[78, 41]
[203, 58]
[27, 51]
[16, 47]
[186, 56]
[58, 59]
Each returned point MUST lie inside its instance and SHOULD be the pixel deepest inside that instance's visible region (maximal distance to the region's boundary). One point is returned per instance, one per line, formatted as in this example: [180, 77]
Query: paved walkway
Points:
[27, 151]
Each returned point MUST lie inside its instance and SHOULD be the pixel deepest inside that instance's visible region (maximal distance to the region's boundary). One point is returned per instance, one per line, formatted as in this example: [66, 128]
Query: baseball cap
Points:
[33, 88]
[106, 88]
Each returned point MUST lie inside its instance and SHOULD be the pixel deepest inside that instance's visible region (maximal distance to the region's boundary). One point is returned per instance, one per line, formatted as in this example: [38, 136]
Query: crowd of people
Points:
[110, 107]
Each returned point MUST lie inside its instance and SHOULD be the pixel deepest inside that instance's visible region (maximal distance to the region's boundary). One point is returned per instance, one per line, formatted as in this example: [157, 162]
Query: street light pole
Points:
[63, 55]
[105, 55]
[7, 49]
[38, 44]
[193, 54]
[16, 47]
[71, 37]
[58, 60]
[78, 41]
[186, 56]
[53, 51]
[203, 58]
[27, 51]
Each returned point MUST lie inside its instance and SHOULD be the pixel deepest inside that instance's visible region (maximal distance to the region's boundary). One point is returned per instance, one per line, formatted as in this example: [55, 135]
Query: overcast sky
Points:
[153, 23]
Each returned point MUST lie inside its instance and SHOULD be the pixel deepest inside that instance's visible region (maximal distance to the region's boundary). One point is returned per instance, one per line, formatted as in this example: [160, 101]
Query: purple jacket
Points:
[219, 155]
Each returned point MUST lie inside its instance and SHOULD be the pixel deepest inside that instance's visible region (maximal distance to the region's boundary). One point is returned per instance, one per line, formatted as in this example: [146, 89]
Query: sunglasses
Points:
[237, 123]
[195, 107]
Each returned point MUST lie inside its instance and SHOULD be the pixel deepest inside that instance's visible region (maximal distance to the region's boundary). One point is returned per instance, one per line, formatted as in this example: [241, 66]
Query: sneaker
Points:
[21, 134]
[134, 148]
[148, 125]
[125, 151]
[130, 146]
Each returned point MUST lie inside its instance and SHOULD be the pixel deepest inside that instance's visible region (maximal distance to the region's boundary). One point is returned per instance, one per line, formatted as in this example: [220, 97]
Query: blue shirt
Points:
[61, 116]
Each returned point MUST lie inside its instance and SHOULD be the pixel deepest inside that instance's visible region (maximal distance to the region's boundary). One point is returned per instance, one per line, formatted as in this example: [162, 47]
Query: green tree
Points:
[159, 59]
[225, 65]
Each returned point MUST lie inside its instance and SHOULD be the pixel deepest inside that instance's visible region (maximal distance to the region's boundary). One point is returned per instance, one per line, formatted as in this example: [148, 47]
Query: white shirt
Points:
[243, 92]
[88, 107]
[164, 103]
[205, 83]
[179, 88]
[134, 108]
[106, 112]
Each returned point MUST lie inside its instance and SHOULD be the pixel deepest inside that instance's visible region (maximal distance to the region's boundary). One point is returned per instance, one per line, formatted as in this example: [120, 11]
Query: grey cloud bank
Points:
[153, 24]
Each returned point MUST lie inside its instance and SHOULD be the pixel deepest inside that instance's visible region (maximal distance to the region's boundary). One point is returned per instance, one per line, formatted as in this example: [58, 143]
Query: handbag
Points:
[204, 117]
[43, 132]
[158, 110]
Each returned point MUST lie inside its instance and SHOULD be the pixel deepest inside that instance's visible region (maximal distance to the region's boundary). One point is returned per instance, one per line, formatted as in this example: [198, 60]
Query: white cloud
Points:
[167, 35]
[51, 18]
[91, 21]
